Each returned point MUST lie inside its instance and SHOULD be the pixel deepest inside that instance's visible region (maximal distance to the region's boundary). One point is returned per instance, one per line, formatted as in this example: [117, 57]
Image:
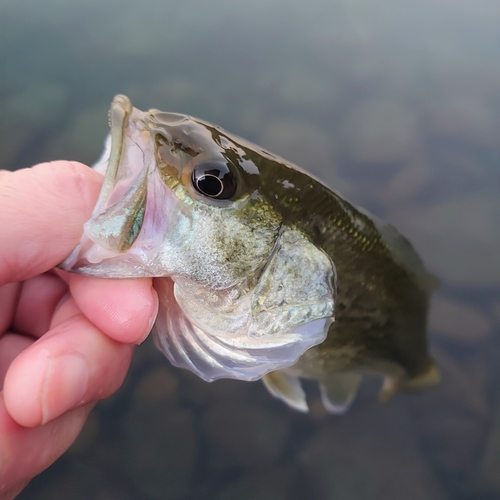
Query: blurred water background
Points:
[395, 104]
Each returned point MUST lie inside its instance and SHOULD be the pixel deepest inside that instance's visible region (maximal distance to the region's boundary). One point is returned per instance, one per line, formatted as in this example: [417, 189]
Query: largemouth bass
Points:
[262, 271]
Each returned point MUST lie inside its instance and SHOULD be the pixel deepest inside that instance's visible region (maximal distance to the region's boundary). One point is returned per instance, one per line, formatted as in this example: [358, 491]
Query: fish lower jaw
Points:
[91, 259]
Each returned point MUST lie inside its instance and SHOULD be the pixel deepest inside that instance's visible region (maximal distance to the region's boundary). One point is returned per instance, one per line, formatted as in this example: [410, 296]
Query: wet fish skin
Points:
[277, 276]
[383, 289]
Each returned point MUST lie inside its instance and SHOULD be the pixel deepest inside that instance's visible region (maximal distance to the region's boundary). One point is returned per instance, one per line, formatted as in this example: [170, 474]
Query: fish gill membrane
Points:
[262, 271]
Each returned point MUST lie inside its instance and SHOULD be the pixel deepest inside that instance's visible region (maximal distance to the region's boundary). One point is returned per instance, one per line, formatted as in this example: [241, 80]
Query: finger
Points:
[37, 302]
[13, 492]
[43, 210]
[72, 364]
[123, 309]
[9, 295]
[66, 309]
[11, 346]
[27, 452]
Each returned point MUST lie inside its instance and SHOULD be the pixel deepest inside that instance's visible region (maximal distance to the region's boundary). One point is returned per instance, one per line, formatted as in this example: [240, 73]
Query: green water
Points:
[395, 104]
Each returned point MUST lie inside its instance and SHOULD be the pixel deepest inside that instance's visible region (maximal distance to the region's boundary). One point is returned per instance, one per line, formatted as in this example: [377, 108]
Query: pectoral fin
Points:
[286, 388]
[339, 391]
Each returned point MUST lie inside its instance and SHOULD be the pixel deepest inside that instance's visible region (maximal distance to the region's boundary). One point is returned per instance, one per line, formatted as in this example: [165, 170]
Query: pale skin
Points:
[66, 340]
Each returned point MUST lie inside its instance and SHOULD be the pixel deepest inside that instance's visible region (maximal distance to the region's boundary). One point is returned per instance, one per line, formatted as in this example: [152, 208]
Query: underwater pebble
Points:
[90, 480]
[66, 486]
[463, 384]
[86, 439]
[489, 474]
[159, 450]
[274, 484]
[381, 132]
[458, 239]
[408, 182]
[367, 455]
[452, 418]
[466, 117]
[244, 435]
[160, 384]
[458, 320]
[462, 169]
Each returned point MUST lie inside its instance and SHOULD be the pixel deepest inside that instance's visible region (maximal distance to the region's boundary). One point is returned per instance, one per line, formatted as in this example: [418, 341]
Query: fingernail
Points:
[152, 319]
[65, 384]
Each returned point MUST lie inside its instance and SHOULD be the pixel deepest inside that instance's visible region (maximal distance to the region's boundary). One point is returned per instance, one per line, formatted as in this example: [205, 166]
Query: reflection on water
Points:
[394, 104]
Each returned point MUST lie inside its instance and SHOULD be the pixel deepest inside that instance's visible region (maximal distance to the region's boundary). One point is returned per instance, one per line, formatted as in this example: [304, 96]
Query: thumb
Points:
[42, 212]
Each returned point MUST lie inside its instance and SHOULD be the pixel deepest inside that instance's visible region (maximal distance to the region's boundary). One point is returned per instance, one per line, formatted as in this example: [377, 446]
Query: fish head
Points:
[241, 293]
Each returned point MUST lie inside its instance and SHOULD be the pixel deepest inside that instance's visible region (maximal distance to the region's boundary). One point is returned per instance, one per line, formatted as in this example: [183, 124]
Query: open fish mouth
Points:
[124, 233]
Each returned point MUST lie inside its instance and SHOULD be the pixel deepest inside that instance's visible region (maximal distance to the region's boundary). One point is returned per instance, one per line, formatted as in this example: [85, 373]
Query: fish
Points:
[262, 271]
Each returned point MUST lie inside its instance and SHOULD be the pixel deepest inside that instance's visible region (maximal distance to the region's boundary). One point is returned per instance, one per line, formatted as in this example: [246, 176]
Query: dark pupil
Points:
[214, 179]
[210, 185]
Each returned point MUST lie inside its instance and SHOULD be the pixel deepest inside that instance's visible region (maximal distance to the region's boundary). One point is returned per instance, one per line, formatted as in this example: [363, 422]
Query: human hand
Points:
[65, 340]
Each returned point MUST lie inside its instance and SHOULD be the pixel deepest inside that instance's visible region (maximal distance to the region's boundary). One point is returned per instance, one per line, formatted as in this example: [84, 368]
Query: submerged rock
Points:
[159, 451]
[369, 455]
[274, 484]
[245, 435]
[467, 118]
[452, 419]
[88, 437]
[407, 183]
[489, 474]
[158, 385]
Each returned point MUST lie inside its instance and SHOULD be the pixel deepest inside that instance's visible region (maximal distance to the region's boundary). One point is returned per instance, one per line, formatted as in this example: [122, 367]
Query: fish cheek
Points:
[296, 289]
[287, 311]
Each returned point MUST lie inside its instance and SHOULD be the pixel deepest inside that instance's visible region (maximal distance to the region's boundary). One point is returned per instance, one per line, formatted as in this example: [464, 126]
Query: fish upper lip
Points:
[121, 109]
[119, 113]
[122, 182]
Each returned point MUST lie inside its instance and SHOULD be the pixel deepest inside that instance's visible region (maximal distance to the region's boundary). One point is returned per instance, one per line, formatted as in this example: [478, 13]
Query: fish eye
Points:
[214, 179]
